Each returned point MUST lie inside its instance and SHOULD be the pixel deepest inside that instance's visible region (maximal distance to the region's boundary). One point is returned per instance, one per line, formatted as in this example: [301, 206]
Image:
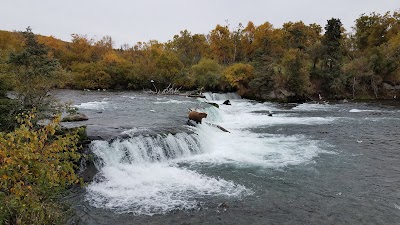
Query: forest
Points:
[293, 63]
[296, 62]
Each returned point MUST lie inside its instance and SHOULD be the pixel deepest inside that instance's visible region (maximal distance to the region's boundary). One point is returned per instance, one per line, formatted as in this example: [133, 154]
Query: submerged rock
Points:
[75, 117]
[213, 104]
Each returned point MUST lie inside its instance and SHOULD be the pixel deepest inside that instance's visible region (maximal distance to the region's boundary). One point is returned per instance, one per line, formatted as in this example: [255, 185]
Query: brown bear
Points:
[197, 116]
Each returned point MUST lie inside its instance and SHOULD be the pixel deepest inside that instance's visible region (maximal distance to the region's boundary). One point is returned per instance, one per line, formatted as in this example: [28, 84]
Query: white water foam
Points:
[155, 188]
[243, 116]
[93, 105]
[130, 97]
[138, 176]
[141, 175]
[314, 107]
[134, 131]
[245, 148]
[173, 101]
[365, 110]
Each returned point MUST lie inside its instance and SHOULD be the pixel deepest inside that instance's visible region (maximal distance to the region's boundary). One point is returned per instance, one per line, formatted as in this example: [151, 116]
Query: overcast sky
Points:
[128, 22]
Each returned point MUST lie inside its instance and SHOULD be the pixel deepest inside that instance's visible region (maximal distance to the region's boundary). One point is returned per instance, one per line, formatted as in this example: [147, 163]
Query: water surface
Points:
[307, 164]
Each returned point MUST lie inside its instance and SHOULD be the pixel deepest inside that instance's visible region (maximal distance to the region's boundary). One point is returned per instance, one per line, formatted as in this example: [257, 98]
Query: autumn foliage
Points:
[35, 166]
[299, 59]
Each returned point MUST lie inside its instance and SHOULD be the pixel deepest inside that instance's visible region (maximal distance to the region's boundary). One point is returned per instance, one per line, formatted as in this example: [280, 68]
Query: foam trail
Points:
[172, 101]
[155, 188]
[365, 110]
[315, 107]
[93, 105]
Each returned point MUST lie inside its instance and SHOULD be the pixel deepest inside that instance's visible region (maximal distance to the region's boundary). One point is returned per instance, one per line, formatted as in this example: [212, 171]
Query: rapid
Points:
[305, 164]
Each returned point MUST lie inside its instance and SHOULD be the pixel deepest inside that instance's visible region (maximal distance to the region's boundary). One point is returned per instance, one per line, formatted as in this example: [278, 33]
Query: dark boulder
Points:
[227, 102]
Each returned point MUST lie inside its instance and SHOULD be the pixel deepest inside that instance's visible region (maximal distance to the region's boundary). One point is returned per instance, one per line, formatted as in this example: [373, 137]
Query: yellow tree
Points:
[79, 50]
[221, 44]
[248, 41]
[239, 76]
[56, 46]
[298, 35]
[35, 166]
[102, 47]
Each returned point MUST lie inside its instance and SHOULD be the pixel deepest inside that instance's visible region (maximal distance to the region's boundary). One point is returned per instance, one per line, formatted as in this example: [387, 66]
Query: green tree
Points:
[375, 29]
[299, 76]
[168, 68]
[90, 75]
[189, 48]
[35, 74]
[267, 52]
[207, 73]
[376, 42]
[333, 56]
[8, 107]
[332, 42]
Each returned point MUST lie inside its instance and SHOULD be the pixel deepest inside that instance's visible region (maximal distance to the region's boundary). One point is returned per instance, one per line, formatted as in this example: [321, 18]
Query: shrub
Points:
[35, 167]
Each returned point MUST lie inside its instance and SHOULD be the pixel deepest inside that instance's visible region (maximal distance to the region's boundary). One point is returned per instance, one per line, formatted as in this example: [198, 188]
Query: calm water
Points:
[307, 164]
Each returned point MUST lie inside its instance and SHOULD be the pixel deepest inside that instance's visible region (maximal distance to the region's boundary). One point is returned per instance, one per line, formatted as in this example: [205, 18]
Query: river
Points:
[306, 164]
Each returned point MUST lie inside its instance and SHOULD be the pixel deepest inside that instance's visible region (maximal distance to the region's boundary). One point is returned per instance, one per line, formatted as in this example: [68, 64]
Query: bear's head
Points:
[203, 115]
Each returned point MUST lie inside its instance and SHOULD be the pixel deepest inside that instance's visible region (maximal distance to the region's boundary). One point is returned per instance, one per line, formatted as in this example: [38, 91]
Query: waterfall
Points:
[146, 149]
[142, 175]
[155, 174]
[221, 96]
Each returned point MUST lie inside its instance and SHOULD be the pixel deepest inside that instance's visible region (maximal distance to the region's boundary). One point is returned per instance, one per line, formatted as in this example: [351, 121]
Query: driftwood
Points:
[169, 90]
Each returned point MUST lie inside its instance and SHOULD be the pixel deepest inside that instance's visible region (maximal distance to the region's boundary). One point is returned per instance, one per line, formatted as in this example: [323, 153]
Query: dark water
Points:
[308, 164]
[111, 113]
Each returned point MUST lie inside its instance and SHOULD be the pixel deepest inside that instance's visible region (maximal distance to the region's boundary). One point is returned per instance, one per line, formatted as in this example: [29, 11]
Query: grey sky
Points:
[141, 20]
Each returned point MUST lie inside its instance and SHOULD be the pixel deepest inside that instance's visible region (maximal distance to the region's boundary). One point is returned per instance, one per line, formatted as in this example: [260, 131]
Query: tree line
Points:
[260, 62]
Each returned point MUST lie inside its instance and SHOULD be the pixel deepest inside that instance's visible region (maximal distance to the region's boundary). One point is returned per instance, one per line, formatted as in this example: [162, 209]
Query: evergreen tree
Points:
[35, 73]
[333, 54]
[298, 74]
